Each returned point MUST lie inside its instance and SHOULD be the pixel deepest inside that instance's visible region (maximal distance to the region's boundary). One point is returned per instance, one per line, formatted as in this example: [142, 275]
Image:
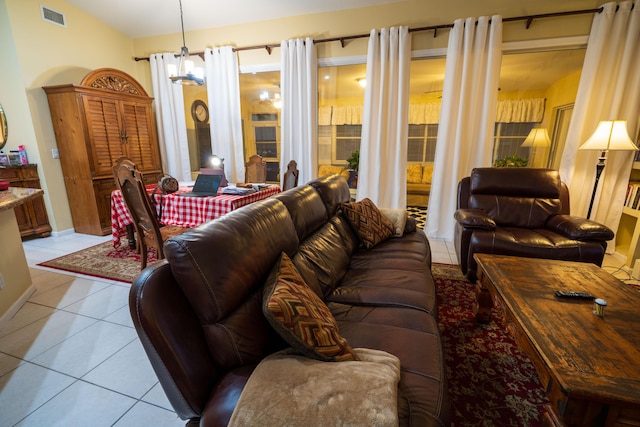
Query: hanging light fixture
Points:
[186, 74]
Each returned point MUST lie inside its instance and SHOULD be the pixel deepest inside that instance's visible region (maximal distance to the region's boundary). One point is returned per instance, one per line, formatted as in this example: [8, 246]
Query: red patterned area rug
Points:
[103, 260]
[491, 381]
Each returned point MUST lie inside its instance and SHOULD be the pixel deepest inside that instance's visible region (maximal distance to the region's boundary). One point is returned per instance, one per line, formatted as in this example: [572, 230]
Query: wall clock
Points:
[199, 111]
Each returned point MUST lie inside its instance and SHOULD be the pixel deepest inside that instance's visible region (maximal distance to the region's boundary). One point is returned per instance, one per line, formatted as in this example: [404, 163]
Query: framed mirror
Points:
[4, 130]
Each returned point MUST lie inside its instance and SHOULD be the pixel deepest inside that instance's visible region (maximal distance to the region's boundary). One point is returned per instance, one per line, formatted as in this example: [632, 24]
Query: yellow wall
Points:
[48, 54]
[36, 53]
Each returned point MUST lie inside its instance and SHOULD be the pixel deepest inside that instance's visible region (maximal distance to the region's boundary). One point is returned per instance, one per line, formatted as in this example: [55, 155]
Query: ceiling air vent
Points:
[53, 16]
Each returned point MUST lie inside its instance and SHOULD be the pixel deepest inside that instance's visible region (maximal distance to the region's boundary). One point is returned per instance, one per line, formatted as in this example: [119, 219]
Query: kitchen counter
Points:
[15, 196]
[15, 280]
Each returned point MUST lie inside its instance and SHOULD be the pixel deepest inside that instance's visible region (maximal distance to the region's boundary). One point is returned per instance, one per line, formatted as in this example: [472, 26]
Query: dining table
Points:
[183, 211]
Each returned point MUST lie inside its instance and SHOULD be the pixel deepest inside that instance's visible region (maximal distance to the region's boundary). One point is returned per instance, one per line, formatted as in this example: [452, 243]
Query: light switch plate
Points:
[55, 154]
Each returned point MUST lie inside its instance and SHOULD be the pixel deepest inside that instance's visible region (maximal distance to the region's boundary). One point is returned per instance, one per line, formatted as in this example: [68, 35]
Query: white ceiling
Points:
[143, 18]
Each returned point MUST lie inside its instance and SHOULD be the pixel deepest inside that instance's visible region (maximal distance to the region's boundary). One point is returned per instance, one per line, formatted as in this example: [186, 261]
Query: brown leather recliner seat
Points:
[522, 212]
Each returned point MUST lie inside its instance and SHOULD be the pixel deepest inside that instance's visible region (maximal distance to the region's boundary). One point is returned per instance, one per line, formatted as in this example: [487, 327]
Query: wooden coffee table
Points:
[589, 365]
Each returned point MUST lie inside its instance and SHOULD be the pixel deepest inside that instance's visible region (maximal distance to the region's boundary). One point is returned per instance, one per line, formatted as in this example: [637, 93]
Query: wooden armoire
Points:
[107, 116]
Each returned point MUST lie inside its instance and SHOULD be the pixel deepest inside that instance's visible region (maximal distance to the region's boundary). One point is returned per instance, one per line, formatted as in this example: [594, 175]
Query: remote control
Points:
[575, 295]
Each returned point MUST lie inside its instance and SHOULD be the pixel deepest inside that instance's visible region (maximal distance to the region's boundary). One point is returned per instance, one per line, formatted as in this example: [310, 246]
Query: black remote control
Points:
[574, 295]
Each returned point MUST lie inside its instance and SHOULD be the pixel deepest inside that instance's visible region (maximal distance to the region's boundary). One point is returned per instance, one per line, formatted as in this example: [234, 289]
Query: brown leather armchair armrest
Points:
[474, 218]
[578, 228]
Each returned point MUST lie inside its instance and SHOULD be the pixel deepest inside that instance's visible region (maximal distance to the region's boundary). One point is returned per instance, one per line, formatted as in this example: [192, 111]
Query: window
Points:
[260, 93]
[422, 143]
[508, 137]
[347, 140]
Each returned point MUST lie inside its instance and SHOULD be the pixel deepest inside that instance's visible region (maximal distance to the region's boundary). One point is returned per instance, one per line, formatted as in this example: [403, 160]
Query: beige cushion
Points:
[414, 173]
[398, 217]
[331, 169]
[427, 173]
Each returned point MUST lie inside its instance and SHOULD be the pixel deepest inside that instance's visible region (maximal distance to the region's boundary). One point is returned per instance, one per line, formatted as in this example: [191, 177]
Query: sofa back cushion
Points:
[414, 173]
[306, 208]
[323, 258]
[221, 267]
[516, 197]
[333, 190]
[331, 169]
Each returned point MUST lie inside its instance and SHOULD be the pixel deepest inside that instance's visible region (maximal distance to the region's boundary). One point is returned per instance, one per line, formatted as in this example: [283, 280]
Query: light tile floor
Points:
[71, 356]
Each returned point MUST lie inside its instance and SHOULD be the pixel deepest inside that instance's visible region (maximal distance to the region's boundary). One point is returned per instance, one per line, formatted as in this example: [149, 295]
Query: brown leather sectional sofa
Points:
[198, 313]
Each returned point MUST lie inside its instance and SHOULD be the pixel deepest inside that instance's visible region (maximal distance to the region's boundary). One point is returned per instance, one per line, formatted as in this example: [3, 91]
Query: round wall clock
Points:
[199, 111]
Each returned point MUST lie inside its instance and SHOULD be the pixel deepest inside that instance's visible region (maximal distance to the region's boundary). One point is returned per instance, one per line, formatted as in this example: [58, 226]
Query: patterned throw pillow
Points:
[300, 317]
[414, 173]
[371, 226]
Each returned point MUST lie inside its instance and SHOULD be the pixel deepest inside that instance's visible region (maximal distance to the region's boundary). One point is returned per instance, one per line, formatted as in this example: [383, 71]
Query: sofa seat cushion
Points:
[411, 252]
[365, 287]
[418, 188]
[423, 398]
[301, 317]
[538, 243]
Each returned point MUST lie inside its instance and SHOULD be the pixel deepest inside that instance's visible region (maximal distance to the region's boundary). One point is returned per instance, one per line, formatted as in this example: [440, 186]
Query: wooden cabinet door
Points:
[103, 189]
[105, 133]
[140, 141]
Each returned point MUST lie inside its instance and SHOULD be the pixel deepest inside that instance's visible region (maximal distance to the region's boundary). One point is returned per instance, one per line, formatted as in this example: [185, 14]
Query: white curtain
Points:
[383, 147]
[172, 128]
[520, 110]
[609, 89]
[299, 85]
[469, 98]
[223, 92]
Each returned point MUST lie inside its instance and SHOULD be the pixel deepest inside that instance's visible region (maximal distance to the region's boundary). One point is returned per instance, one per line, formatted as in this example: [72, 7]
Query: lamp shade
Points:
[538, 137]
[610, 136]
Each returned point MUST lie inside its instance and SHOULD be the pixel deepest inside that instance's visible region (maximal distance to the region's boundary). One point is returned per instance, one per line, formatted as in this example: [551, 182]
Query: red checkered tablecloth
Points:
[184, 211]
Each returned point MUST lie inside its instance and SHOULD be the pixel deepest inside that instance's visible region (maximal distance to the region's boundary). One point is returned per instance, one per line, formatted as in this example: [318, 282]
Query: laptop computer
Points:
[205, 185]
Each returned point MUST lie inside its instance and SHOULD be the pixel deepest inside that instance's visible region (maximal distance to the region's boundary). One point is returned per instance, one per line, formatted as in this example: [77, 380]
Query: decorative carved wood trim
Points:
[113, 80]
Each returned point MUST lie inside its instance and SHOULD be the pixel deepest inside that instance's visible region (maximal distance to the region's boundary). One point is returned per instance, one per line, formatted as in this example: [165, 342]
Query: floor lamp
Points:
[609, 136]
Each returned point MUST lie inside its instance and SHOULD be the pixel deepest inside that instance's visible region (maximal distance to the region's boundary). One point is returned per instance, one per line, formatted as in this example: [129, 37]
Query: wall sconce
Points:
[362, 82]
[609, 135]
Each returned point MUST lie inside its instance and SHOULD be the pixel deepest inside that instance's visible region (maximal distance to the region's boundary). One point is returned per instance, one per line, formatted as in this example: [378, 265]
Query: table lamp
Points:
[609, 136]
[538, 137]
[217, 168]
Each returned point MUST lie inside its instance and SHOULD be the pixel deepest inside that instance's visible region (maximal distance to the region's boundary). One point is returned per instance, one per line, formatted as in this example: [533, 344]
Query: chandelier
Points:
[186, 74]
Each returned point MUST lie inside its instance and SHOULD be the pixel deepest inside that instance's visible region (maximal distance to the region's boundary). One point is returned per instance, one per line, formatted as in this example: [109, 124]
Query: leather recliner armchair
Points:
[522, 212]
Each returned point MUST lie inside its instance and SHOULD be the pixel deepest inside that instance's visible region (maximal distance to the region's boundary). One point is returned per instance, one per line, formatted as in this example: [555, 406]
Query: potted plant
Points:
[513, 161]
[353, 163]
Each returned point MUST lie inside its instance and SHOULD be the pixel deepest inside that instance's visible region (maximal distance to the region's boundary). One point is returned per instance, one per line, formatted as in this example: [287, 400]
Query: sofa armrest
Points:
[474, 218]
[578, 228]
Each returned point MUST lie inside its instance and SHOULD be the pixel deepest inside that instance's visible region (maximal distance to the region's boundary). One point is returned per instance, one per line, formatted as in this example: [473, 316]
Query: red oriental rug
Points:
[103, 260]
[491, 381]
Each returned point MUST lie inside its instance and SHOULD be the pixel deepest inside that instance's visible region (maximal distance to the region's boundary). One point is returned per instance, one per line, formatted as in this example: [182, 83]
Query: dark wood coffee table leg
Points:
[484, 304]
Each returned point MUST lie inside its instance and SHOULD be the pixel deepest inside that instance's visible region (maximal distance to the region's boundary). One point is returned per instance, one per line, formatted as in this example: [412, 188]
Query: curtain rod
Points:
[528, 18]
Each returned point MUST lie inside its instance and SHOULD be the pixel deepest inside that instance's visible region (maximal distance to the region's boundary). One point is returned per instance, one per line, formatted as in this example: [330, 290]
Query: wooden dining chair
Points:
[290, 179]
[255, 169]
[149, 231]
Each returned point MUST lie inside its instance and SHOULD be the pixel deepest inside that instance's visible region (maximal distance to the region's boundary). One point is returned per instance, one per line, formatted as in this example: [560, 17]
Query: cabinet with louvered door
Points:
[107, 116]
